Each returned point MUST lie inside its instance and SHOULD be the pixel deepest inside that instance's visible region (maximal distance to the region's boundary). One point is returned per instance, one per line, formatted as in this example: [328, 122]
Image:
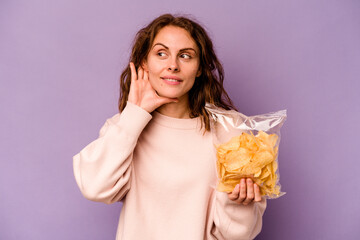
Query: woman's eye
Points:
[186, 56]
[161, 54]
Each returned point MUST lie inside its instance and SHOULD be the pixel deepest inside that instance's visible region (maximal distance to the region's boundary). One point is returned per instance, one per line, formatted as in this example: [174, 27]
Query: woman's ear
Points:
[144, 65]
[198, 74]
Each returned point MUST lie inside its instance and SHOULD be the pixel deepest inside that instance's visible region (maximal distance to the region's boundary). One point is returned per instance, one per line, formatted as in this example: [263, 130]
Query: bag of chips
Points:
[247, 146]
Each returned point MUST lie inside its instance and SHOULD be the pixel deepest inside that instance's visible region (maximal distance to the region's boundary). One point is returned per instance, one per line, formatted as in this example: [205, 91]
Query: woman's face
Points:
[173, 63]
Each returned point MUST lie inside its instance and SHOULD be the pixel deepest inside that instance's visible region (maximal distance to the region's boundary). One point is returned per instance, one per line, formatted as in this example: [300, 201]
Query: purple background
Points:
[59, 67]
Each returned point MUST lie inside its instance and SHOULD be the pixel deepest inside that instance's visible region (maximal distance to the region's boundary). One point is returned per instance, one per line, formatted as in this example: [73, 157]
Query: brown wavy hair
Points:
[208, 87]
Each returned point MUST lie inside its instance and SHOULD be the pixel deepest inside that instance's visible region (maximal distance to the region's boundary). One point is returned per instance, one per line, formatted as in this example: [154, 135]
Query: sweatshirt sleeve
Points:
[232, 221]
[103, 168]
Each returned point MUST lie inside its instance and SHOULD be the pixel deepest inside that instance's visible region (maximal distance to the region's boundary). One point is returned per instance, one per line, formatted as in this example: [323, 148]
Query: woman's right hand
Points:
[142, 93]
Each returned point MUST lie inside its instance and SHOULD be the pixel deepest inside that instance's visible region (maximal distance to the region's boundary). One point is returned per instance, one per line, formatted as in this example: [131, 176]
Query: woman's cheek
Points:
[153, 83]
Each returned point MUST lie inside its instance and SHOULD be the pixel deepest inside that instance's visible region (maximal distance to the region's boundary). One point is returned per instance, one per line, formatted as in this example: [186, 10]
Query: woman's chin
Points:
[168, 95]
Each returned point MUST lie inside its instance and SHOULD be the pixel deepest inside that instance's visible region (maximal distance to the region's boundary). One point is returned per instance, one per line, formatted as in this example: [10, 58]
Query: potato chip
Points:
[249, 156]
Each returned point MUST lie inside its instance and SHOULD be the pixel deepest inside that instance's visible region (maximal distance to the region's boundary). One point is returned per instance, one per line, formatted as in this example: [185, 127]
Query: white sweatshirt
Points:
[163, 169]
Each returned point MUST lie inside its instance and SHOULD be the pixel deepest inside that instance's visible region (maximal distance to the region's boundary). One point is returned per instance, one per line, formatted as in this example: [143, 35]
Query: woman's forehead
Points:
[174, 37]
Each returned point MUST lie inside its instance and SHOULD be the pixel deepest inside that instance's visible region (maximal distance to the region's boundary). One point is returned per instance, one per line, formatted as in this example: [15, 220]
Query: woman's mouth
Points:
[172, 80]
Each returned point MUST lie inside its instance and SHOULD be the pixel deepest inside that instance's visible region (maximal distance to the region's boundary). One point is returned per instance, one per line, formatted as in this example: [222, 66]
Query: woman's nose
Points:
[173, 65]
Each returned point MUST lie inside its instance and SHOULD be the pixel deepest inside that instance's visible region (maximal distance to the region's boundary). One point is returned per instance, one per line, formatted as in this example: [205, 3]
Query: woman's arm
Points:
[103, 168]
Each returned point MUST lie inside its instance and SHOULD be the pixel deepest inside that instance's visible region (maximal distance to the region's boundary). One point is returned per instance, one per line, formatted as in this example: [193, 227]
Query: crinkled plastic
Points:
[247, 146]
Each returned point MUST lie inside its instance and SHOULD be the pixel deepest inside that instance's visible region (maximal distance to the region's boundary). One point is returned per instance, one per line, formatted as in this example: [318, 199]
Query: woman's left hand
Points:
[245, 192]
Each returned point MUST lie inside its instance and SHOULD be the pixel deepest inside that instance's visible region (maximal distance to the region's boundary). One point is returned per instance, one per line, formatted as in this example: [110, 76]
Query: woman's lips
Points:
[171, 80]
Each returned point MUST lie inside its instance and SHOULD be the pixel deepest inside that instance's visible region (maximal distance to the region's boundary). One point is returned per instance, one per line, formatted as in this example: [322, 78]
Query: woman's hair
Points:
[208, 87]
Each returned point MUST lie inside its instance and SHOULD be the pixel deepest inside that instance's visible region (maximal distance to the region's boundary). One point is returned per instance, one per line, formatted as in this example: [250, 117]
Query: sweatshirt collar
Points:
[178, 123]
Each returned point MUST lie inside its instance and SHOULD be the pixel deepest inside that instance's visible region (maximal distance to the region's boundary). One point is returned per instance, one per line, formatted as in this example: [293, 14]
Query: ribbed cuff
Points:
[133, 119]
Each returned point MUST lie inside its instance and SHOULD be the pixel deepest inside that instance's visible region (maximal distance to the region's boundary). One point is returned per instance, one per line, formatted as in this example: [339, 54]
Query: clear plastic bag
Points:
[247, 146]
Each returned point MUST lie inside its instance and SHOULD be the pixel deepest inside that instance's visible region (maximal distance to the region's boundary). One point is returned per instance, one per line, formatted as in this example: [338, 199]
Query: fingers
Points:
[239, 193]
[163, 100]
[235, 193]
[245, 192]
[250, 195]
[257, 193]
[140, 73]
[133, 72]
[146, 75]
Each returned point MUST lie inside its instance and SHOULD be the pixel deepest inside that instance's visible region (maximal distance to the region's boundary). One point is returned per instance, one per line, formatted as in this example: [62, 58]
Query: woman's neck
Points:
[176, 110]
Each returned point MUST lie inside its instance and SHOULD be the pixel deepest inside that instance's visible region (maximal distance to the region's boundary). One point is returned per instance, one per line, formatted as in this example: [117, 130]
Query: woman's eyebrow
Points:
[161, 45]
[167, 48]
[186, 49]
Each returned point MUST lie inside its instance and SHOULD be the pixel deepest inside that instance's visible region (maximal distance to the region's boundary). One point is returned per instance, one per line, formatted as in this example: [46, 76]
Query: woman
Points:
[157, 155]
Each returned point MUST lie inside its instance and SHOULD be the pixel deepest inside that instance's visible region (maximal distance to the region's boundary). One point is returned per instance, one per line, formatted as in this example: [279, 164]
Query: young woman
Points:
[157, 154]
